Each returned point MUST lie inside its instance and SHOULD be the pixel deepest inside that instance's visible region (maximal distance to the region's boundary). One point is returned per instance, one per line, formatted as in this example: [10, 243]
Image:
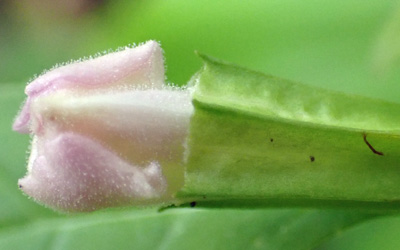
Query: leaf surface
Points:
[181, 229]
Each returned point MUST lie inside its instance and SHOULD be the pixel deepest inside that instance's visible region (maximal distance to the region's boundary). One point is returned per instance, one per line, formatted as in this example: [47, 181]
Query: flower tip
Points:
[21, 184]
[21, 122]
[26, 185]
[20, 125]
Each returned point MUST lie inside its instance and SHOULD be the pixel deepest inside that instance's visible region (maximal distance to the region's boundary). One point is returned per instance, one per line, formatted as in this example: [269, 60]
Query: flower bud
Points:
[106, 132]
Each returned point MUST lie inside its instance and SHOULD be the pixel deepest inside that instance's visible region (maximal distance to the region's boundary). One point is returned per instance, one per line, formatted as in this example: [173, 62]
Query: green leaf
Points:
[260, 140]
[375, 234]
[181, 229]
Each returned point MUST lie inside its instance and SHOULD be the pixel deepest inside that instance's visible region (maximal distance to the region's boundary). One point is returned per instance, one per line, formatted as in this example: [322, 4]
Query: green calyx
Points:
[259, 140]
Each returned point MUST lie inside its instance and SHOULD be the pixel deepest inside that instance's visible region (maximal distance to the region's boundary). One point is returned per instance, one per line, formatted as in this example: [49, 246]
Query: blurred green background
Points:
[351, 46]
[336, 44]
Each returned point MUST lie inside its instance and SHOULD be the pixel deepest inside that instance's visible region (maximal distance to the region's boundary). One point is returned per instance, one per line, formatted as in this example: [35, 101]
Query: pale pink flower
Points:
[106, 132]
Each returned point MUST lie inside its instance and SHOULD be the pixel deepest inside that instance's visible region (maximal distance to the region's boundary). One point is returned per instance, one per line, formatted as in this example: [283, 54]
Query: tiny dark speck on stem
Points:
[271, 140]
[192, 204]
[312, 158]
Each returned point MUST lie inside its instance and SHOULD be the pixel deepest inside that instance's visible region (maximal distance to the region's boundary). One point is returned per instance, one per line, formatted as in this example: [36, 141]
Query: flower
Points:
[106, 132]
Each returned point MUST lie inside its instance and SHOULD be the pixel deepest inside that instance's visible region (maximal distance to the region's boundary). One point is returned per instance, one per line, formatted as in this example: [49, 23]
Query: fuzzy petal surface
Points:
[106, 132]
[139, 67]
[74, 173]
